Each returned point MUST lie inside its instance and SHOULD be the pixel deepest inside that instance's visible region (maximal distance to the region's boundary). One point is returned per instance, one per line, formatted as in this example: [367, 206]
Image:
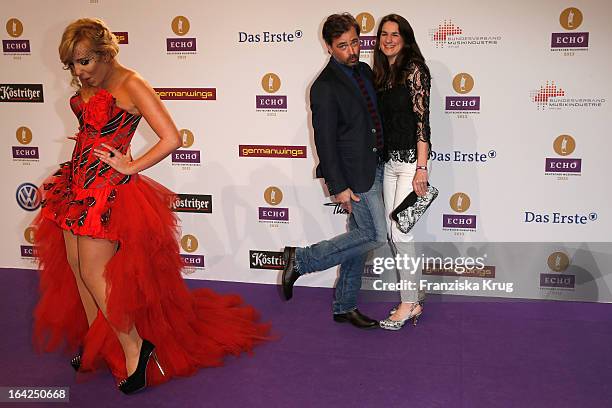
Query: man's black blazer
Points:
[344, 134]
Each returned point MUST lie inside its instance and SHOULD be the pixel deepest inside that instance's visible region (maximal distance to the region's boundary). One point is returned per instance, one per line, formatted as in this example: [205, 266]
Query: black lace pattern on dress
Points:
[405, 110]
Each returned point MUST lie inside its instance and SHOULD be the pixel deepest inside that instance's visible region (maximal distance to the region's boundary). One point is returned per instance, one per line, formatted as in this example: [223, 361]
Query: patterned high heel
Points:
[421, 300]
[389, 324]
[138, 380]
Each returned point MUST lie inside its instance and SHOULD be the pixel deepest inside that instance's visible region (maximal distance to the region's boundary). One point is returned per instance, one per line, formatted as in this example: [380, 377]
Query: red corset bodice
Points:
[100, 121]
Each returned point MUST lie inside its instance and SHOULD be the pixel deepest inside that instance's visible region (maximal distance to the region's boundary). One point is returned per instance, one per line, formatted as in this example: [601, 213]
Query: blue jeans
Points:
[367, 230]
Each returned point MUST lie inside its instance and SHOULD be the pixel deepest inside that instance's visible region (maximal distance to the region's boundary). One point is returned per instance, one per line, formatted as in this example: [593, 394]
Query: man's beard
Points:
[352, 60]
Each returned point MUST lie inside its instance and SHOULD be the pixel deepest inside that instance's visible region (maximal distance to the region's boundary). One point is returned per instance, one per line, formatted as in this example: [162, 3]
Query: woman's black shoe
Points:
[138, 380]
[76, 362]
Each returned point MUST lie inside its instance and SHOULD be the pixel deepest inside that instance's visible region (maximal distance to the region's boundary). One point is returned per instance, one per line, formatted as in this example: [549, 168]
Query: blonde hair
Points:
[96, 32]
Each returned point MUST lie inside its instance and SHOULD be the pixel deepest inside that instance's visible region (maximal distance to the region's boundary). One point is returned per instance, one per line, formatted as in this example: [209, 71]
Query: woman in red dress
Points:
[110, 269]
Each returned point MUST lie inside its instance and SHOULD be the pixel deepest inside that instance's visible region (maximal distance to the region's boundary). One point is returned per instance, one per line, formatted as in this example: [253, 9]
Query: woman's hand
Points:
[114, 158]
[419, 182]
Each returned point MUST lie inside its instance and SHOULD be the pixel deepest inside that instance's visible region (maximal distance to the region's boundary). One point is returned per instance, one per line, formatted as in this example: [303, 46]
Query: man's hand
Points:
[344, 199]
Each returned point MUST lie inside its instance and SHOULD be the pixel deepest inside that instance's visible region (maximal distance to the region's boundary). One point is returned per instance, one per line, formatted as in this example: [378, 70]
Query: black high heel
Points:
[76, 362]
[138, 380]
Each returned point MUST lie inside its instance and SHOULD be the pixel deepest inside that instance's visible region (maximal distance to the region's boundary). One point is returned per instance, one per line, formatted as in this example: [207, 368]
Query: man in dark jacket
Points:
[348, 138]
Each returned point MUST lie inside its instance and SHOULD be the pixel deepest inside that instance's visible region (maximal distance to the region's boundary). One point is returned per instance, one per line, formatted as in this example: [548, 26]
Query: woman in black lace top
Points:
[402, 81]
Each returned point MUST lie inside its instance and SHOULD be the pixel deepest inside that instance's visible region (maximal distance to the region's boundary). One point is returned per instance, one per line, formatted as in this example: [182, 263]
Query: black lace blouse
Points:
[404, 110]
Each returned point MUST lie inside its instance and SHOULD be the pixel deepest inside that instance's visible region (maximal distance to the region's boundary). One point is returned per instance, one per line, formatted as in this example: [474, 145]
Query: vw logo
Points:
[28, 196]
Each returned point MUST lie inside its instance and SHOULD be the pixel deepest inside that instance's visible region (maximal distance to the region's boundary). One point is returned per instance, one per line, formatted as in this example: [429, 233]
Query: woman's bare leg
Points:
[72, 254]
[94, 254]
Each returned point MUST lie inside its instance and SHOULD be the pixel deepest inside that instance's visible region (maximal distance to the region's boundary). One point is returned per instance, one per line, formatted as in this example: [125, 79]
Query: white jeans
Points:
[397, 184]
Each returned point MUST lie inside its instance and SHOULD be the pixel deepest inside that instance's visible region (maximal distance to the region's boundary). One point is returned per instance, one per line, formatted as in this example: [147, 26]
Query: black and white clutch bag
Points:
[412, 208]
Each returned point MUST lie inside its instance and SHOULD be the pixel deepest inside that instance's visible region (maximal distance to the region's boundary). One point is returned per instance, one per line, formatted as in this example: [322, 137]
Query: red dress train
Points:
[190, 329]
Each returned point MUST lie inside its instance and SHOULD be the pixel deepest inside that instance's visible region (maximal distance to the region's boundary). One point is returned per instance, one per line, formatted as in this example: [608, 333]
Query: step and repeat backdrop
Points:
[520, 116]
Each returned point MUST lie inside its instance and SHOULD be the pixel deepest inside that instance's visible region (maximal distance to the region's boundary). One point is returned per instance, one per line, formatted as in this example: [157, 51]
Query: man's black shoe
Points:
[290, 275]
[357, 319]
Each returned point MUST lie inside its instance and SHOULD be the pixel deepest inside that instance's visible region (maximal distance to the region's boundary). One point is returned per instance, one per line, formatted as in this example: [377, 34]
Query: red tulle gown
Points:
[190, 329]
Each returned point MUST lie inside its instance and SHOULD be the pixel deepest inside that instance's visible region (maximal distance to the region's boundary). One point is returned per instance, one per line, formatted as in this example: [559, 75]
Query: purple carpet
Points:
[464, 353]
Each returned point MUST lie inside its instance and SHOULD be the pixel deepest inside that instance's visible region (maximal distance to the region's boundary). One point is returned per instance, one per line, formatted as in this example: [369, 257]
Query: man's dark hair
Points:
[338, 24]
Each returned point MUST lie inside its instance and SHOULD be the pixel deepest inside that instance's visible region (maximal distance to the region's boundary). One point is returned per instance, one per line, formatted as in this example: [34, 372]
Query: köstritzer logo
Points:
[266, 260]
[28, 196]
[21, 93]
[460, 203]
[193, 203]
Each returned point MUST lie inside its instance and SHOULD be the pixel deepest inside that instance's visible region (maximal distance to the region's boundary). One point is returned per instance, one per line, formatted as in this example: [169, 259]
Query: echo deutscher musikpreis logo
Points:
[32, 93]
[24, 152]
[288, 152]
[181, 45]
[563, 145]
[190, 244]
[459, 203]
[193, 203]
[462, 104]
[552, 96]
[556, 277]
[367, 38]
[273, 214]
[569, 41]
[28, 251]
[271, 102]
[15, 45]
[270, 260]
[448, 34]
[184, 156]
